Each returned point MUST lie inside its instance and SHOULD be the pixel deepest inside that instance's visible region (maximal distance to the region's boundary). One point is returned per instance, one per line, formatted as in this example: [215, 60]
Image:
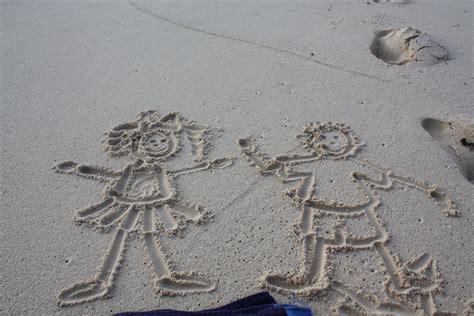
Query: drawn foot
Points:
[290, 284]
[83, 292]
[183, 283]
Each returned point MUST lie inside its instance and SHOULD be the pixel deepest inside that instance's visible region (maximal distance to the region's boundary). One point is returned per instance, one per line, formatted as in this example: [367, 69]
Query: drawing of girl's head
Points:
[330, 140]
[152, 138]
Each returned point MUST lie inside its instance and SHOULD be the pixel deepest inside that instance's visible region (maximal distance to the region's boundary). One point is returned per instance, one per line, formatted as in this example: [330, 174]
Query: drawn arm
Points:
[278, 167]
[86, 171]
[388, 178]
[263, 162]
[295, 159]
[219, 163]
[442, 199]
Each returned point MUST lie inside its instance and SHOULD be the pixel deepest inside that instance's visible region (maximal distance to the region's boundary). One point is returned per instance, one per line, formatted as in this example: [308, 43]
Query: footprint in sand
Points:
[405, 45]
[456, 138]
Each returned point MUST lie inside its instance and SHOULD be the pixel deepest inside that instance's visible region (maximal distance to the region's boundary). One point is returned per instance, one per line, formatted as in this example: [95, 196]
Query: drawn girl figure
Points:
[333, 141]
[141, 199]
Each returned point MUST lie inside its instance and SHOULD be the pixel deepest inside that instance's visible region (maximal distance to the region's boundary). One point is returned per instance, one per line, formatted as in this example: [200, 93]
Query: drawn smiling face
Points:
[150, 137]
[156, 145]
[330, 140]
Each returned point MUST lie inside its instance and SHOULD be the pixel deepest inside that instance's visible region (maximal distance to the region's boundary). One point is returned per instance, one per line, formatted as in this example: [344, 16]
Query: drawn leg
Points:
[311, 278]
[102, 283]
[306, 220]
[166, 281]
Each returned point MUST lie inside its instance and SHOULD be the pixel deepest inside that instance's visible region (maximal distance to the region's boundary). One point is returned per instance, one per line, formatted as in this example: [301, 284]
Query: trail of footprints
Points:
[141, 200]
[409, 286]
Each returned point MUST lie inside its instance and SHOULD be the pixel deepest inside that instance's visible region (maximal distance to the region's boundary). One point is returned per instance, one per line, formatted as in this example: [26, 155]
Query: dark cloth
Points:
[260, 304]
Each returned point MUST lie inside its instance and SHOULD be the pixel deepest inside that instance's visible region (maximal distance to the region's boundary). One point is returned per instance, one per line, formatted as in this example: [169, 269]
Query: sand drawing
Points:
[405, 45]
[456, 137]
[141, 200]
[391, 1]
[409, 286]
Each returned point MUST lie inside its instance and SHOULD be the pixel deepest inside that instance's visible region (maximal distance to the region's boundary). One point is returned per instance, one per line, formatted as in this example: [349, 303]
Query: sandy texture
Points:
[407, 45]
[354, 213]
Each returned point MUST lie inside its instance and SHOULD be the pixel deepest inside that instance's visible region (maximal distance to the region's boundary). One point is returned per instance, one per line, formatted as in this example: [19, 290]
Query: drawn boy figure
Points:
[141, 199]
[333, 141]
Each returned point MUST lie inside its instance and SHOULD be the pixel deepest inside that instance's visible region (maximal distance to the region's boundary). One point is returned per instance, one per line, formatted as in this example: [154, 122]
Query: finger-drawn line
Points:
[264, 46]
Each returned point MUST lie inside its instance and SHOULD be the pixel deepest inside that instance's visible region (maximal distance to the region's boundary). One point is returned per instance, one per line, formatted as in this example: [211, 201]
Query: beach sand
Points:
[369, 210]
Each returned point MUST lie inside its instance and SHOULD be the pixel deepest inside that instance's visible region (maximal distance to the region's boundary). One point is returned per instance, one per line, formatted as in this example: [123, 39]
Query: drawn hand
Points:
[68, 167]
[85, 171]
[221, 163]
[247, 145]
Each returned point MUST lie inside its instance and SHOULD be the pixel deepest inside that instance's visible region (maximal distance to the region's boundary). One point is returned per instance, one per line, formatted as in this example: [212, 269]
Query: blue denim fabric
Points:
[260, 304]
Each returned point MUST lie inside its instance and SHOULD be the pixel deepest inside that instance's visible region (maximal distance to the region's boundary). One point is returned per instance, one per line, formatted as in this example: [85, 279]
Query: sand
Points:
[318, 150]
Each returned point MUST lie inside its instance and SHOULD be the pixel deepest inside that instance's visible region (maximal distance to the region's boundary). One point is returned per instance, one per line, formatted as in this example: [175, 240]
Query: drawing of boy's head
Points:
[330, 140]
[152, 138]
